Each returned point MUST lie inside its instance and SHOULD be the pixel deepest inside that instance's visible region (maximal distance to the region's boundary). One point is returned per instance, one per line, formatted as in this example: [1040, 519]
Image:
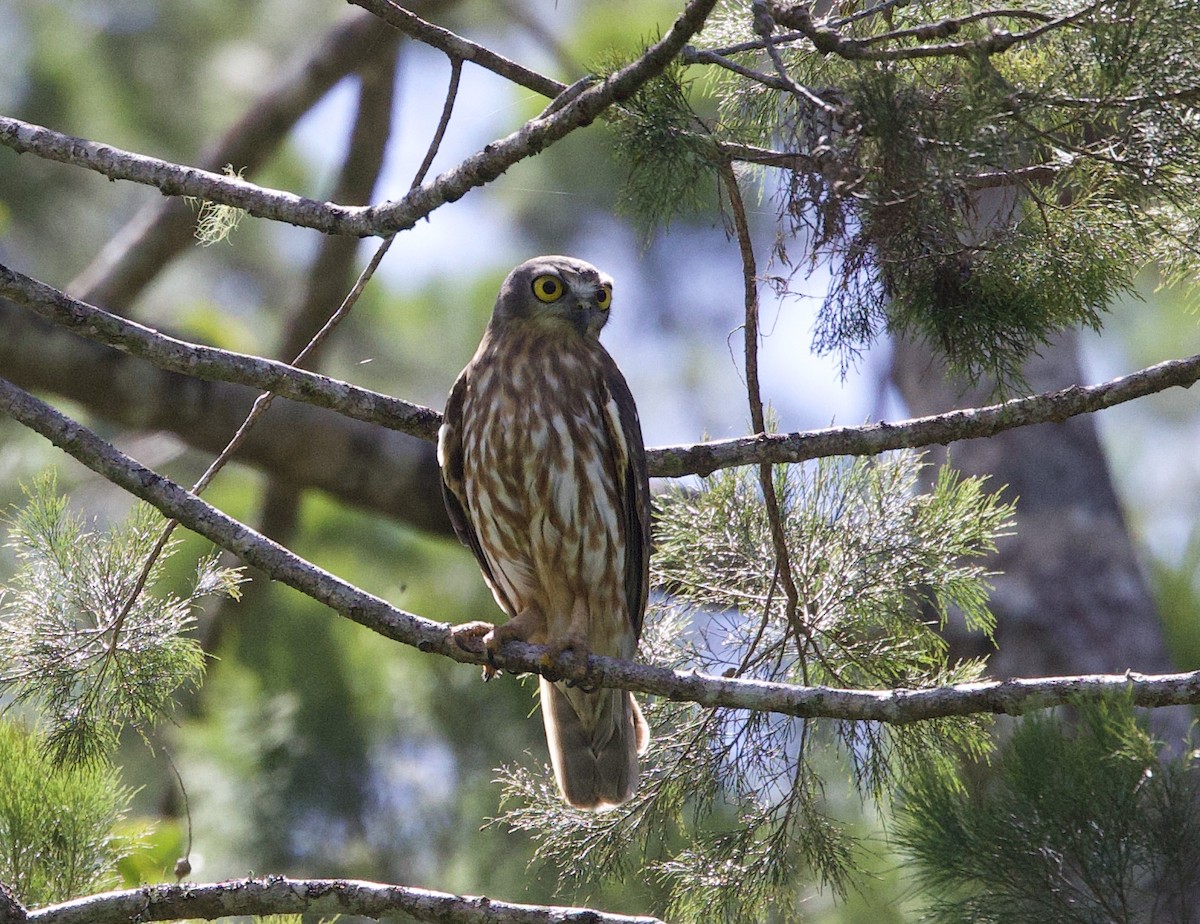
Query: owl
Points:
[544, 477]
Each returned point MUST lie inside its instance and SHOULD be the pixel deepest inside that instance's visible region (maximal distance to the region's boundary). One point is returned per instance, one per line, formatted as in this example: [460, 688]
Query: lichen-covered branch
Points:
[1012, 697]
[179, 180]
[326, 898]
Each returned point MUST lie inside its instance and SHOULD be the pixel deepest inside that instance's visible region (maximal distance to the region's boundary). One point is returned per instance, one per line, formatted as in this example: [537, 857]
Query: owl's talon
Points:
[574, 670]
[471, 636]
[478, 638]
[585, 684]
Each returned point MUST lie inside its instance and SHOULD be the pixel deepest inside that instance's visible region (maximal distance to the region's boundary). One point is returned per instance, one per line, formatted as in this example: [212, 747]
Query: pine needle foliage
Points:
[731, 813]
[58, 823]
[979, 182]
[1080, 821]
[61, 649]
[671, 163]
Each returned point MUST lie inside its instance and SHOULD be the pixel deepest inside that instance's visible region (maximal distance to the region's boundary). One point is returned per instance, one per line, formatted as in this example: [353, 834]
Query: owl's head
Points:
[556, 291]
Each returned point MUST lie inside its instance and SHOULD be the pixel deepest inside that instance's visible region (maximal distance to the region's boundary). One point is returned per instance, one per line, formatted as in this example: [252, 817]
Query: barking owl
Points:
[544, 476]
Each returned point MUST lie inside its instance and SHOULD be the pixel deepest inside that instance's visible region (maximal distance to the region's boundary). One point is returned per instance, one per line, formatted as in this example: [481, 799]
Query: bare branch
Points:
[766, 472]
[363, 465]
[160, 229]
[948, 26]
[460, 49]
[440, 132]
[211, 363]
[764, 25]
[537, 134]
[477, 170]
[178, 180]
[703, 56]
[805, 162]
[665, 462]
[828, 40]
[1012, 697]
[935, 429]
[325, 898]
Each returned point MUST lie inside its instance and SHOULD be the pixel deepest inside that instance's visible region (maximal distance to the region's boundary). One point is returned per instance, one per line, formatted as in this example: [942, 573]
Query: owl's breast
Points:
[538, 468]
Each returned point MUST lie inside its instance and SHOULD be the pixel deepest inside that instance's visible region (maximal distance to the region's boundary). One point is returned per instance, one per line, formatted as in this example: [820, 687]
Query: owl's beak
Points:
[586, 315]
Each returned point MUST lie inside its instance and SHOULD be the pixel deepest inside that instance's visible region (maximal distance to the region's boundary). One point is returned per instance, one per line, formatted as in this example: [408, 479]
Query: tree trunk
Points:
[1071, 597]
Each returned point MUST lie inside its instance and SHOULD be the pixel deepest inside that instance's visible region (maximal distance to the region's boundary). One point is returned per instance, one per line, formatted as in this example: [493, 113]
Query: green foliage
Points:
[732, 808]
[1177, 597]
[57, 823]
[1080, 823]
[60, 641]
[978, 198]
[670, 162]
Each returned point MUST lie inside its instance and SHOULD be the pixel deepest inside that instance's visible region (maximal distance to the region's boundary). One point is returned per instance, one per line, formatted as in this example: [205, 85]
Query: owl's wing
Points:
[450, 460]
[629, 452]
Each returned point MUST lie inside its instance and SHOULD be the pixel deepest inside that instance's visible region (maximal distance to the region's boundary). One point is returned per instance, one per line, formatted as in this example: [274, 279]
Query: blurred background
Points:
[315, 747]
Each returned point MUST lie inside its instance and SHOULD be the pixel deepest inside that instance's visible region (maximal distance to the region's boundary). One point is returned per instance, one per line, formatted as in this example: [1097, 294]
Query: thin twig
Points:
[263, 402]
[460, 49]
[328, 277]
[260, 407]
[764, 25]
[702, 56]
[440, 132]
[899, 706]
[951, 25]
[828, 40]
[766, 480]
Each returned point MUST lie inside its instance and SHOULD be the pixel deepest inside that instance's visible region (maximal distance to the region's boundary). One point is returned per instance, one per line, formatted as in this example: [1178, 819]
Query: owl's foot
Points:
[529, 625]
[472, 636]
[476, 637]
[575, 674]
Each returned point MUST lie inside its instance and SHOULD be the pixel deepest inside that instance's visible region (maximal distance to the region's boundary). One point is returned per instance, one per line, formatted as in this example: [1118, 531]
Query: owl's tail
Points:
[595, 740]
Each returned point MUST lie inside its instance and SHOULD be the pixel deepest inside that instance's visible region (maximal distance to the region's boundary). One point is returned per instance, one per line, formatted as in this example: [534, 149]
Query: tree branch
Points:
[210, 363]
[828, 40]
[178, 180]
[477, 170]
[539, 133]
[458, 48]
[766, 472]
[160, 229]
[364, 465]
[1011, 697]
[326, 898]
[665, 462]
[935, 429]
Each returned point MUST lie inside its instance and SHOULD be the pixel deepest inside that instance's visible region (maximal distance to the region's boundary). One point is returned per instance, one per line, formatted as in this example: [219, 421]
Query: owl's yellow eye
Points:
[604, 297]
[548, 288]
